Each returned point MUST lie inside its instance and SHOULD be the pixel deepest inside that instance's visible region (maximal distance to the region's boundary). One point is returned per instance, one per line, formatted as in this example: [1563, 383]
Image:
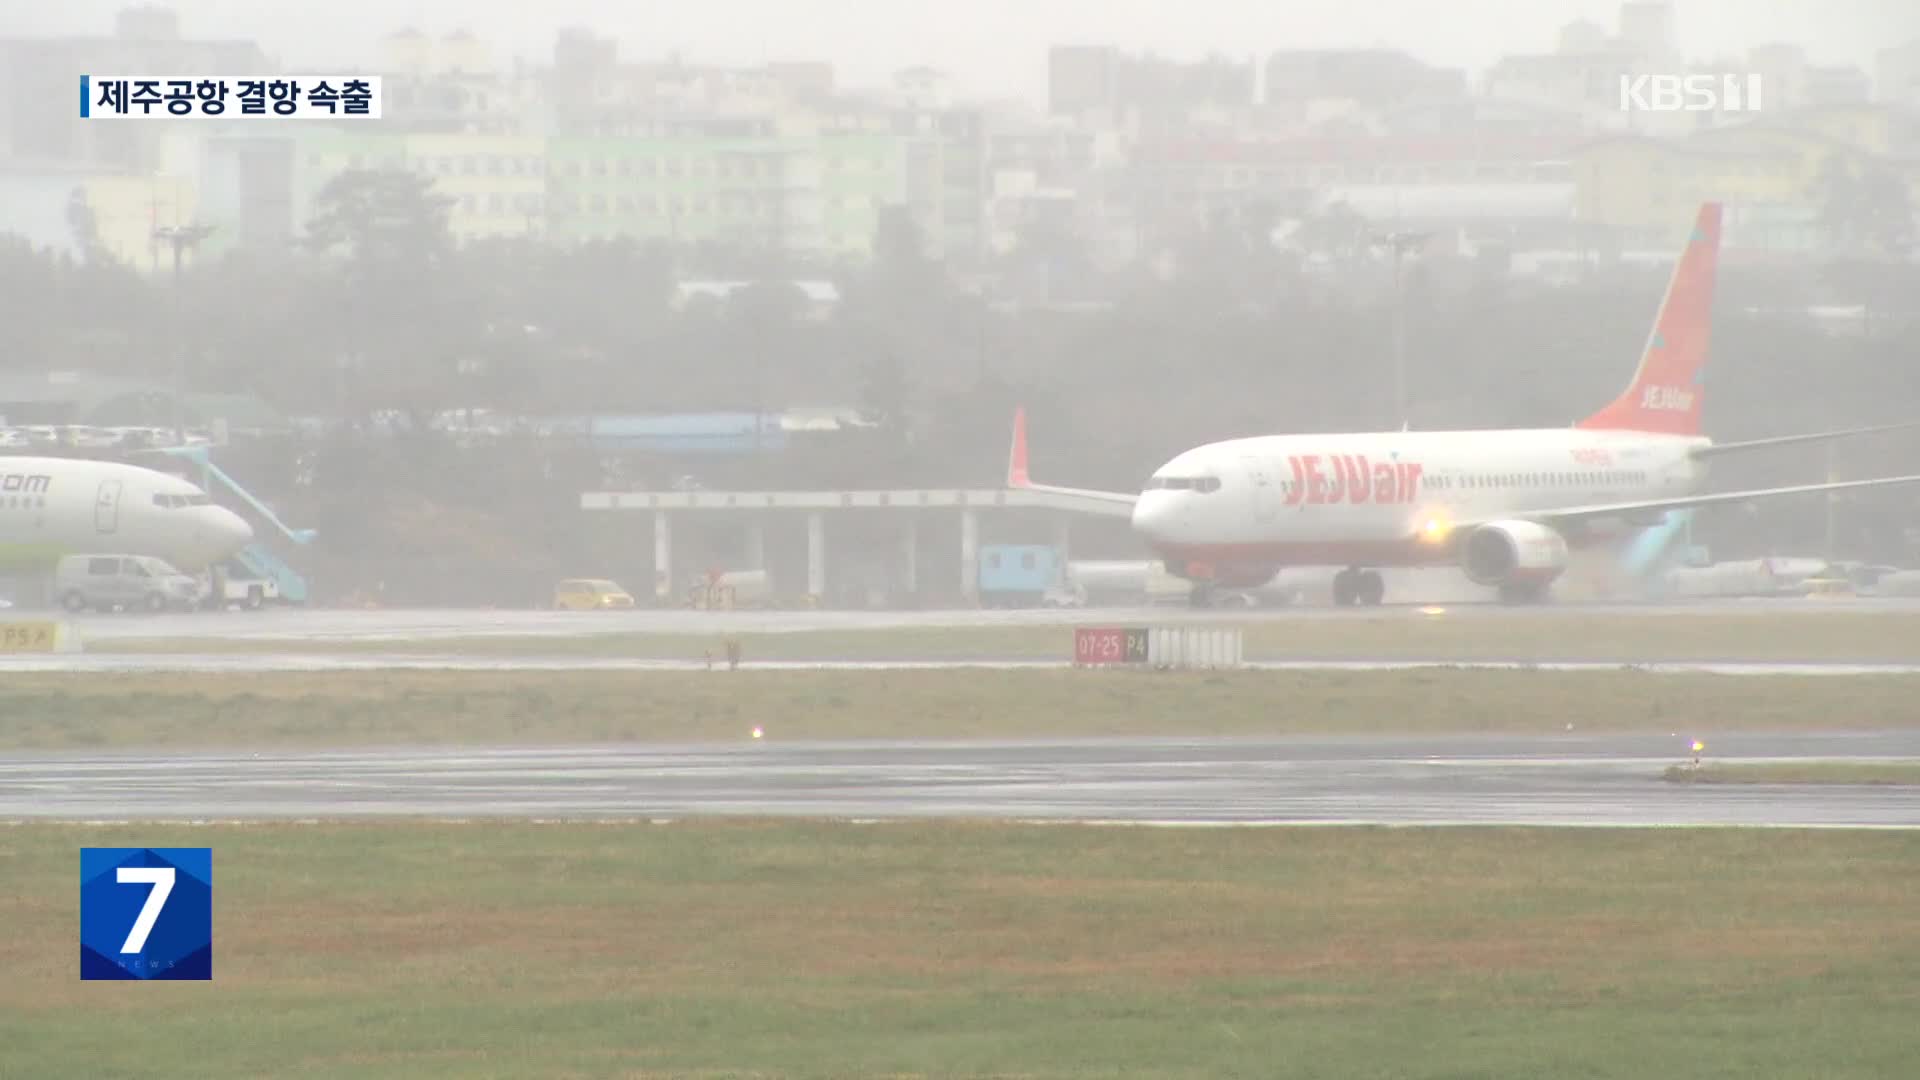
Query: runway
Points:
[1481, 780]
[269, 662]
[323, 624]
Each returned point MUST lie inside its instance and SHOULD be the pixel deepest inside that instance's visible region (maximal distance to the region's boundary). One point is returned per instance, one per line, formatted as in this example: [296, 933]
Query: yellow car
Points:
[590, 594]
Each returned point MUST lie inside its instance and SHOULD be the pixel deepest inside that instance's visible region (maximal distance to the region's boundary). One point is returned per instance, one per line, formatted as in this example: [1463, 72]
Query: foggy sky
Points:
[991, 47]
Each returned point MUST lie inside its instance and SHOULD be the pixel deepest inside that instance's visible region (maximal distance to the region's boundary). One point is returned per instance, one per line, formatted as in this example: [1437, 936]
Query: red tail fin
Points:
[1017, 456]
[1666, 393]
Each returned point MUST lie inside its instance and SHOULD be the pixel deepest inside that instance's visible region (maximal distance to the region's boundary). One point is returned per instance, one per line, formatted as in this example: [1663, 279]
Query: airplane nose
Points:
[1151, 515]
[229, 530]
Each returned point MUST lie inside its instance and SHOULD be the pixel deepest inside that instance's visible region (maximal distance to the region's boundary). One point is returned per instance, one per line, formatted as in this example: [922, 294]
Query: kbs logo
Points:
[1690, 93]
[1352, 479]
[1666, 399]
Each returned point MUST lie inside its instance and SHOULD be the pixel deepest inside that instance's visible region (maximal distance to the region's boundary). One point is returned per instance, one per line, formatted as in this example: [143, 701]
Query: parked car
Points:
[590, 594]
[1064, 596]
[109, 582]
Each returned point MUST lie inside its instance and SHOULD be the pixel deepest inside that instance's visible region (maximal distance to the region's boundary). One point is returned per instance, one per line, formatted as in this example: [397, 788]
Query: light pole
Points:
[180, 238]
[1401, 244]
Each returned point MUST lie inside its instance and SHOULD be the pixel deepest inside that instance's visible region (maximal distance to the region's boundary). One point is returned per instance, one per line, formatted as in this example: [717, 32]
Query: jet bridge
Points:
[911, 505]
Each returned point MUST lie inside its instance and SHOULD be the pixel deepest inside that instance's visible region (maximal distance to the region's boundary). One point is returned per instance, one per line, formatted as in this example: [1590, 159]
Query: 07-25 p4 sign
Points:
[1093, 645]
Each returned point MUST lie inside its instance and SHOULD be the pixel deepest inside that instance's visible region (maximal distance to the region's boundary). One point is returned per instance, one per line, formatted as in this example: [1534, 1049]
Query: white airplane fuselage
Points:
[1388, 499]
[53, 507]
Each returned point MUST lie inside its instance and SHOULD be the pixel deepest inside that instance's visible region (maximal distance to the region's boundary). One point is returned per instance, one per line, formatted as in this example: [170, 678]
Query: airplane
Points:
[53, 507]
[1504, 505]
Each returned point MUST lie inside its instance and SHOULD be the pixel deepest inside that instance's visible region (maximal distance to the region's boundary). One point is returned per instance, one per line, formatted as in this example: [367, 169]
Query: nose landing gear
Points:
[1356, 586]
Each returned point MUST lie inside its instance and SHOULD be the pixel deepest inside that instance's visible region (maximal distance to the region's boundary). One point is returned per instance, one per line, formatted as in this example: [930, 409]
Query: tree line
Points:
[377, 311]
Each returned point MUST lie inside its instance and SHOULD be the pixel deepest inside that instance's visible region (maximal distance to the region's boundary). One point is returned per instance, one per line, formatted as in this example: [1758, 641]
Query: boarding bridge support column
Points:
[756, 544]
[816, 555]
[970, 554]
[1063, 539]
[910, 555]
[662, 555]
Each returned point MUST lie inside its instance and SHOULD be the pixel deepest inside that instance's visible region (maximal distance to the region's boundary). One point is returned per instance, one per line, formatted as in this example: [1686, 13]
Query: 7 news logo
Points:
[146, 913]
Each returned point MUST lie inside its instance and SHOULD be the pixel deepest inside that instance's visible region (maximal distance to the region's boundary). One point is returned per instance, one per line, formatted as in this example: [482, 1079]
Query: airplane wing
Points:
[1717, 449]
[1621, 509]
[1112, 503]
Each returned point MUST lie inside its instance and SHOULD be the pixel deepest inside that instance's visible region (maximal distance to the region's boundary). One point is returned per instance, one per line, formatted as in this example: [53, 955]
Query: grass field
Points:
[819, 950]
[1798, 772]
[93, 711]
[1797, 633]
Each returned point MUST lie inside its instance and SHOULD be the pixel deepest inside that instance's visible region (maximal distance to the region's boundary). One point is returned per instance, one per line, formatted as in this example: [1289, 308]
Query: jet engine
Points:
[1227, 576]
[1517, 556]
[1245, 577]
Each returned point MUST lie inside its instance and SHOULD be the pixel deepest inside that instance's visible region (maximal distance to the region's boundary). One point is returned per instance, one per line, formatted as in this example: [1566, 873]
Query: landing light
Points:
[1435, 529]
[1433, 611]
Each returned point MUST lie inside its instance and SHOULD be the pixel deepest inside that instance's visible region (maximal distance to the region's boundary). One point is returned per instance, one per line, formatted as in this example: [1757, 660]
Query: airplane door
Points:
[106, 507]
[1266, 497]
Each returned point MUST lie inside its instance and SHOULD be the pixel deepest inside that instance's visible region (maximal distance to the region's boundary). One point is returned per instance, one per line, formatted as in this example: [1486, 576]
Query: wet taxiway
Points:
[1570, 780]
[266, 662]
[322, 624]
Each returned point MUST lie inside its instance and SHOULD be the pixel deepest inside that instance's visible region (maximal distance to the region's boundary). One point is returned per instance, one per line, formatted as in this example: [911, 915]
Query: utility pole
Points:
[1833, 521]
[1401, 244]
[180, 238]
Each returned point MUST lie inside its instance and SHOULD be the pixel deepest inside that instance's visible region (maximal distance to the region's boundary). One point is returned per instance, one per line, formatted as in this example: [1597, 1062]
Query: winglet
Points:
[1017, 456]
[1665, 394]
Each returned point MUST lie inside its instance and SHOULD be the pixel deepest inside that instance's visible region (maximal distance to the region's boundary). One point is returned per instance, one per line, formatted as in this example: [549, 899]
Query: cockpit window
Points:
[1184, 483]
[1170, 483]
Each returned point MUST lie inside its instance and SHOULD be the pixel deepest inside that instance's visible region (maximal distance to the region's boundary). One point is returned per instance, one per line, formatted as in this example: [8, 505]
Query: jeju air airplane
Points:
[1504, 505]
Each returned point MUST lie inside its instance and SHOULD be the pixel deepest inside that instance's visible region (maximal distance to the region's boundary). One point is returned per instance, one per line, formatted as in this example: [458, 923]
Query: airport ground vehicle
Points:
[235, 586]
[590, 594]
[724, 590]
[1018, 575]
[109, 582]
[1063, 596]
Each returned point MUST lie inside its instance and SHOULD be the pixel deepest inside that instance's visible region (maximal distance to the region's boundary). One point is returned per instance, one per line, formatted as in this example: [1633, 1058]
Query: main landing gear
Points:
[1530, 593]
[1357, 586]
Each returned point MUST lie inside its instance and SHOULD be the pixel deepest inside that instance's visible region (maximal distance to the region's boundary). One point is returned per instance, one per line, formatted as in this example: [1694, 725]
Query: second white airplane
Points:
[50, 507]
[1504, 505]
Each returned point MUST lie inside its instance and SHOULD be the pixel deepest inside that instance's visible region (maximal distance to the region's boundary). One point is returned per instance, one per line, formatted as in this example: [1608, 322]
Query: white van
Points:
[106, 582]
